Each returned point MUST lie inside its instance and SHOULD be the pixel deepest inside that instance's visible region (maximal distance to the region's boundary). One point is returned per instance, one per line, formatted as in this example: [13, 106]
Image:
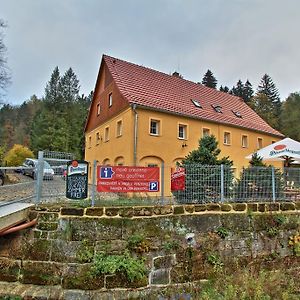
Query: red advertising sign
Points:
[122, 179]
[178, 179]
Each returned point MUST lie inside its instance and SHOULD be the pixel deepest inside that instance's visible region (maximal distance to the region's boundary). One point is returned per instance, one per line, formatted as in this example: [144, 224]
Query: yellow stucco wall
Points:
[117, 149]
[167, 147]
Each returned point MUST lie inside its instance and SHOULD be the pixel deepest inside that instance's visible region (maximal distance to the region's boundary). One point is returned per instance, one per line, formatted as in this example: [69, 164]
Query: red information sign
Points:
[178, 179]
[122, 179]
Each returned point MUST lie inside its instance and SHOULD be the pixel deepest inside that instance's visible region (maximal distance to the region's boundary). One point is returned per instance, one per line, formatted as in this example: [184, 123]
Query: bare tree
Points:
[4, 71]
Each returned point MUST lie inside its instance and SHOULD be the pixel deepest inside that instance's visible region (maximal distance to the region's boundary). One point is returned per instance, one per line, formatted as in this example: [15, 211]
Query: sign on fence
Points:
[178, 179]
[77, 179]
[122, 179]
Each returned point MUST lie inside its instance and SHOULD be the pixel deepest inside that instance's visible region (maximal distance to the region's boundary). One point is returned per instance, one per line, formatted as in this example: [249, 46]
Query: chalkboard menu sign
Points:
[77, 179]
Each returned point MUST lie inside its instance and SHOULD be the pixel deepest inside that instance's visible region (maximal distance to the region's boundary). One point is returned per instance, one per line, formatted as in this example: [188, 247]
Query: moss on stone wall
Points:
[177, 243]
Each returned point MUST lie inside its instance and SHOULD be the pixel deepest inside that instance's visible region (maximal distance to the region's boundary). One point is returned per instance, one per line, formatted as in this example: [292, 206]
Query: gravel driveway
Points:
[18, 186]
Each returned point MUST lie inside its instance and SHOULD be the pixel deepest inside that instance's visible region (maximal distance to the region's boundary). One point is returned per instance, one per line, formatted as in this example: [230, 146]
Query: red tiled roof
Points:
[153, 89]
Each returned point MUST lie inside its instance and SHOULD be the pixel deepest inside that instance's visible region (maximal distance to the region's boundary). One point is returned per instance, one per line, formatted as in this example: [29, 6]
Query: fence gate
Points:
[51, 179]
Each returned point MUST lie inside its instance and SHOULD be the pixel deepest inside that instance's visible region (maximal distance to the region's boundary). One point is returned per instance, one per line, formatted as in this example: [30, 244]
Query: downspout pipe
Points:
[135, 135]
[19, 227]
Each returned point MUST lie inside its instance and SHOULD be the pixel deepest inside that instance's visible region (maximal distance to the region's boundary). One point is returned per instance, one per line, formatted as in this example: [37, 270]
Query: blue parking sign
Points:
[153, 186]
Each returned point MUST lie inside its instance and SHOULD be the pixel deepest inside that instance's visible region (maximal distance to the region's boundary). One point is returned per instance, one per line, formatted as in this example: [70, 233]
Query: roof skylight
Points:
[196, 103]
[217, 108]
[237, 114]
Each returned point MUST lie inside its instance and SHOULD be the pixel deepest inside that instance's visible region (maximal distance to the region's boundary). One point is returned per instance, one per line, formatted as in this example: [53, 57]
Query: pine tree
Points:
[209, 80]
[224, 89]
[264, 107]
[53, 98]
[266, 102]
[268, 88]
[290, 116]
[256, 161]
[248, 91]
[69, 87]
[242, 90]
[255, 181]
[83, 106]
[202, 169]
[59, 124]
[207, 153]
[238, 90]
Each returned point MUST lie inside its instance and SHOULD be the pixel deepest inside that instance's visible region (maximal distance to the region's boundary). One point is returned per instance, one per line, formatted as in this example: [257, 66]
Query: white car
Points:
[31, 169]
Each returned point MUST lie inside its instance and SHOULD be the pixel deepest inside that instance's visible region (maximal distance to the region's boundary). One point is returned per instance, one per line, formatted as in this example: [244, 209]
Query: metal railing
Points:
[203, 184]
[45, 181]
[206, 184]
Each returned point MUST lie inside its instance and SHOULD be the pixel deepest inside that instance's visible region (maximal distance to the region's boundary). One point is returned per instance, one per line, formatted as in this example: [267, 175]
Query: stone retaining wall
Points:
[178, 243]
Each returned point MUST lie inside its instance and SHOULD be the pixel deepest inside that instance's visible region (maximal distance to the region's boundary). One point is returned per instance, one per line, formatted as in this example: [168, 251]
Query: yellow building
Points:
[143, 117]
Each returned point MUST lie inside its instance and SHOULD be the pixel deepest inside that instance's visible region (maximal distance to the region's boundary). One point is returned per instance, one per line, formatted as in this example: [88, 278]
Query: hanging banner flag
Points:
[122, 179]
[177, 179]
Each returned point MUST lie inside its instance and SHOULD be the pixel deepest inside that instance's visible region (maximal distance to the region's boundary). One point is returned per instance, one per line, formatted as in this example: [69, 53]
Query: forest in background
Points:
[54, 122]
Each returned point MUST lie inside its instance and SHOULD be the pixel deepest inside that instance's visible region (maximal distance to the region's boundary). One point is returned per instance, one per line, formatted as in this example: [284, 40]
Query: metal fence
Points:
[203, 184]
[37, 180]
[16, 187]
[206, 184]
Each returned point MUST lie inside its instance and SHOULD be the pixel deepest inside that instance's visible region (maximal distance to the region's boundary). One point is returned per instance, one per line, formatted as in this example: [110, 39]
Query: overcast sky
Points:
[236, 39]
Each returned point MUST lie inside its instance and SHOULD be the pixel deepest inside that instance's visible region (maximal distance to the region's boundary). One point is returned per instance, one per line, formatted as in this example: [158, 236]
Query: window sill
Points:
[152, 134]
[226, 144]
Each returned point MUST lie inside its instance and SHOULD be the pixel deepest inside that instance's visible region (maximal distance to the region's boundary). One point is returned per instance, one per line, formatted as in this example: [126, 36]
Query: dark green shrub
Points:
[203, 174]
[133, 268]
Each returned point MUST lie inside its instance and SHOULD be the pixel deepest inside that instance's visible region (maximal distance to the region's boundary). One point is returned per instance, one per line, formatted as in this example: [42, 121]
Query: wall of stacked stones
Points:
[179, 243]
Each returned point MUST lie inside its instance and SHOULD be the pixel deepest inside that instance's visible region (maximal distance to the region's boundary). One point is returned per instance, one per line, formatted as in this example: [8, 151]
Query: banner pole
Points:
[94, 182]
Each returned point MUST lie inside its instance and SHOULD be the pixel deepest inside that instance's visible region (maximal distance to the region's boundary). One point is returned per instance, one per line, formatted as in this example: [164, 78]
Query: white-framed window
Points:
[259, 143]
[182, 131]
[245, 141]
[90, 141]
[98, 109]
[106, 134]
[119, 128]
[110, 100]
[205, 132]
[154, 127]
[227, 138]
[97, 138]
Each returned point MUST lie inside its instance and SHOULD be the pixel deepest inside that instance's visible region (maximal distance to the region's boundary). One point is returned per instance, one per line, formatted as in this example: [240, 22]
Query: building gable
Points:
[106, 91]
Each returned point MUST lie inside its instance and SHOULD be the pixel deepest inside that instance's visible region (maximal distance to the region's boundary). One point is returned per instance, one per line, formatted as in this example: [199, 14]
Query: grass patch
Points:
[247, 284]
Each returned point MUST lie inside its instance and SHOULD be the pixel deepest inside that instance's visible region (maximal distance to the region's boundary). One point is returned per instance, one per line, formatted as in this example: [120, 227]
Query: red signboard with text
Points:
[178, 179]
[122, 179]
